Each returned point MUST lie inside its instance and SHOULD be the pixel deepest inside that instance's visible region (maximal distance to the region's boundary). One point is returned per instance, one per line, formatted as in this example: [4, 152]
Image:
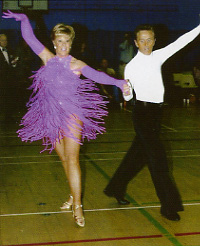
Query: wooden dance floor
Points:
[33, 187]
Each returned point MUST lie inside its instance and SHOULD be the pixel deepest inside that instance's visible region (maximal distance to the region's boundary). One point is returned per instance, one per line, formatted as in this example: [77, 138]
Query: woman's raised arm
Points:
[27, 33]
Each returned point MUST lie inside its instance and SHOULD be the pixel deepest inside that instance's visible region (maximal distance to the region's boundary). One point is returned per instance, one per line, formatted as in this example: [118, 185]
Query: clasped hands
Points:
[127, 88]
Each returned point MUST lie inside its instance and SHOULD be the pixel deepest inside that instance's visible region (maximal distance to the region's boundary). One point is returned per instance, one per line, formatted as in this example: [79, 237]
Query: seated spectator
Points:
[196, 73]
[83, 53]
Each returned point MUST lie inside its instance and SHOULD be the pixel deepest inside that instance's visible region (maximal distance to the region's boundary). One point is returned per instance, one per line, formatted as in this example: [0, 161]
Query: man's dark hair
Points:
[143, 27]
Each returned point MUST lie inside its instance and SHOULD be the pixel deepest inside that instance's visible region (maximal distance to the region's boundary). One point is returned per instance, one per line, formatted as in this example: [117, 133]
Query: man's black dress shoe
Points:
[170, 215]
[120, 200]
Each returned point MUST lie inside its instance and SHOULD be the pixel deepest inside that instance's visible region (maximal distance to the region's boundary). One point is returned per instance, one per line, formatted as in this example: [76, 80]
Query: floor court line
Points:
[109, 131]
[169, 128]
[105, 239]
[89, 240]
[93, 210]
[131, 130]
[186, 234]
[82, 154]
[95, 159]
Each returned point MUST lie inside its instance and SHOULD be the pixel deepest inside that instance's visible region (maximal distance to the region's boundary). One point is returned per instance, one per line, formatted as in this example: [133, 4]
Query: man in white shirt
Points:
[144, 74]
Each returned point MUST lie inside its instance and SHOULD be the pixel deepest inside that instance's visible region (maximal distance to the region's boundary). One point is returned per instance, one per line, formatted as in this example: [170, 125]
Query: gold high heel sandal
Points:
[67, 205]
[80, 221]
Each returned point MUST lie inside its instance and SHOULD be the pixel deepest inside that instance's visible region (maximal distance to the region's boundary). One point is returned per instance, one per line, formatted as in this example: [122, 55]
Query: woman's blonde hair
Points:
[60, 29]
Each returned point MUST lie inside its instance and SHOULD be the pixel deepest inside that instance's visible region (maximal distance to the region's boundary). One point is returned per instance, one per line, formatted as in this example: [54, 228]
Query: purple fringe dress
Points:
[59, 97]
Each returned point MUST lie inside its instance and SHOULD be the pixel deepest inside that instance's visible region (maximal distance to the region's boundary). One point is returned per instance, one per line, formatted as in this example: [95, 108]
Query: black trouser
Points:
[147, 149]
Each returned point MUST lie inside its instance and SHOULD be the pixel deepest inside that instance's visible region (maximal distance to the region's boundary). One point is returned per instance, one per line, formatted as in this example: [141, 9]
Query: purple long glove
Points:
[27, 31]
[101, 77]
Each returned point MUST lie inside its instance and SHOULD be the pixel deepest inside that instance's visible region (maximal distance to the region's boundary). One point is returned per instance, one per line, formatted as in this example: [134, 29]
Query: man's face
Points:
[3, 41]
[145, 41]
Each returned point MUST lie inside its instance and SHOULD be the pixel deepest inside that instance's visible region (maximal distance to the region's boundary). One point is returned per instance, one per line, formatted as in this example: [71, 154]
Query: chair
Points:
[187, 81]
[177, 79]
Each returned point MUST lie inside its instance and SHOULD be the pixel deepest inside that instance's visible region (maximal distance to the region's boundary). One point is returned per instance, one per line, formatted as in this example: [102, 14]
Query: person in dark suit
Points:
[7, 64]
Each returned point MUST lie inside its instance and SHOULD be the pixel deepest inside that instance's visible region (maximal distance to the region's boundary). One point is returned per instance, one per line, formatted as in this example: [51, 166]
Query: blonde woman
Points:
[64, 109]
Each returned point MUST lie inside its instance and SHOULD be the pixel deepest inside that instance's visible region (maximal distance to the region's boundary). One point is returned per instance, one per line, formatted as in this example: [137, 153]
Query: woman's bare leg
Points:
[61, 153]
[68, 150]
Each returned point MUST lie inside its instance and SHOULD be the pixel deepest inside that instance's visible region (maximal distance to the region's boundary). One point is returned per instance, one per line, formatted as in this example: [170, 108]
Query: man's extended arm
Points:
[180, 43]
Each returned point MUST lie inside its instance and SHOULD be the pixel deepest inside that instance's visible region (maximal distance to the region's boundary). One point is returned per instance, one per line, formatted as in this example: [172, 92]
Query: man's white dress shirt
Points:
[144, 71]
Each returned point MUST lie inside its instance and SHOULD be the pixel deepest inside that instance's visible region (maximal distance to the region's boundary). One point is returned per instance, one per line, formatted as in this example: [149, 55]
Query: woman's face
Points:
[62, 44]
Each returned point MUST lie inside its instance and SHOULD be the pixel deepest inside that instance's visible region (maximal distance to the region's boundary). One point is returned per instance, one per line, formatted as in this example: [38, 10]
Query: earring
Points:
[54, 47]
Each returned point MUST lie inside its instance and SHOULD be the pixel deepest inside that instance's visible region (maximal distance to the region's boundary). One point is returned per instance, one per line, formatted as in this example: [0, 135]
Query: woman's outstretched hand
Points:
[17, 17]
